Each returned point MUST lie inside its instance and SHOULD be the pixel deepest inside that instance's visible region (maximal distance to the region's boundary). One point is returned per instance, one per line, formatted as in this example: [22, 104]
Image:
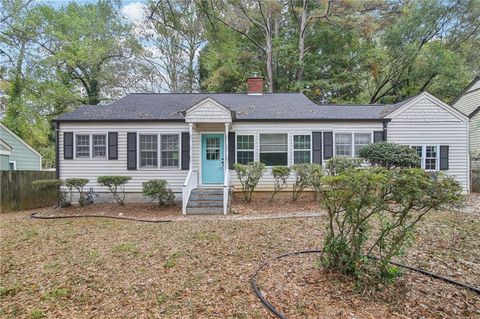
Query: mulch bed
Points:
[146, 211]
[262, 206]
[297, 287]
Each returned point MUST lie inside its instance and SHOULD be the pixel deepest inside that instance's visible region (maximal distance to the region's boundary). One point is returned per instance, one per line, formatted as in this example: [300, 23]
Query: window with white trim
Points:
[99, 146]
[169, 150]
[360, 140]
[274, 149]
[148, 151]
[82, 146]
[431, 157]
[301, 149]
[343, 144]
[245, 149]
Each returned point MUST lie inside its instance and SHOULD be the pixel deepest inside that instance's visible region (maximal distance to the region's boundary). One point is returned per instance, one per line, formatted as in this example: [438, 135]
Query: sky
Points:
[131, 9]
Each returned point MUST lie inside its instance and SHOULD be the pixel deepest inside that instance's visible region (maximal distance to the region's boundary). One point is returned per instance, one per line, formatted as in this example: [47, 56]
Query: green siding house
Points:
[16, 154]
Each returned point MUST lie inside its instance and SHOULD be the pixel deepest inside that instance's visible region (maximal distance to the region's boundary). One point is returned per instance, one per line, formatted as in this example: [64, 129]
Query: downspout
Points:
[57, 147]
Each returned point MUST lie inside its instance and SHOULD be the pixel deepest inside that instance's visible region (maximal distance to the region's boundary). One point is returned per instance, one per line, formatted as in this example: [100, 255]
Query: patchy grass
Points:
[90, 267]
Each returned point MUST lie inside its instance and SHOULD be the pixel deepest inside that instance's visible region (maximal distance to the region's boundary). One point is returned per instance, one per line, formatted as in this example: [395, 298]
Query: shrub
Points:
[158, 191]
[315, 179]
[390, 155]
[77, 184]
[249, 176]
[374, 212]
[280, 176]
[116, 185]
[338, 165]
[50, 188]
[304, 174]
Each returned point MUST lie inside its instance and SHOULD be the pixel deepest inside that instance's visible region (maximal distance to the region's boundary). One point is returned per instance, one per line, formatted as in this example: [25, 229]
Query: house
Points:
[193, 140]
[468, 102]
[16, 154]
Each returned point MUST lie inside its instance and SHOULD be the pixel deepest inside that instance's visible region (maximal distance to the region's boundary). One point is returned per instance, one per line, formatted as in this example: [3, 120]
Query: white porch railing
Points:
[226, 191]
[191, 182]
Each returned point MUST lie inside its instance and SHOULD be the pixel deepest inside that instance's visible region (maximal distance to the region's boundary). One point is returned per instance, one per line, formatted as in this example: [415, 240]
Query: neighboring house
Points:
[468, 102]
[193, 140]
[16, 154]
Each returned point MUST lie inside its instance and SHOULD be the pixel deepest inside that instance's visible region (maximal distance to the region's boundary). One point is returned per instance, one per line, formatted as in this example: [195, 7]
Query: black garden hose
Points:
[281, 315]
[36, 216]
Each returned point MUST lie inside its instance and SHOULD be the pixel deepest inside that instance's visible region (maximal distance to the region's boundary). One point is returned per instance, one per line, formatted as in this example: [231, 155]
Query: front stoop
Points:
[205, 201]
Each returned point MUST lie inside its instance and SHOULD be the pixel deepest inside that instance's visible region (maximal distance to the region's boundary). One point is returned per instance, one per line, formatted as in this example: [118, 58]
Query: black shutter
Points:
[112, 145]
[231, 149]
[317, 147]
[185, 151]
[378, 136]
[131, 151]
[444, 157]
[327, 145]
[68, 145]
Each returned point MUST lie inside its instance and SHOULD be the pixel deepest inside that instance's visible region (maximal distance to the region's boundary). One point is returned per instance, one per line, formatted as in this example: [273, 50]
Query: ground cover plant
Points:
[116, 186]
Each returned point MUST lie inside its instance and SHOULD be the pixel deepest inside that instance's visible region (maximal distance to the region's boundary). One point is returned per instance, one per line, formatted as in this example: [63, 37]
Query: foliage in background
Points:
[157, 190]
[78, 184]
[390, 155]
[116, 185]
[338, 165]
[280, 175]
[249, 176]
[373, 212]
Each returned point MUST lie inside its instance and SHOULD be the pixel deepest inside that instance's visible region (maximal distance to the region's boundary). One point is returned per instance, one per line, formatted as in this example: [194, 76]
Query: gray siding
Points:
[24, 157]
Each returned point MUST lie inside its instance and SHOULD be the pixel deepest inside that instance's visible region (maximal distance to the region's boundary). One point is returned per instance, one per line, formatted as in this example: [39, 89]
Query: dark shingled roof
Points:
[274, 106]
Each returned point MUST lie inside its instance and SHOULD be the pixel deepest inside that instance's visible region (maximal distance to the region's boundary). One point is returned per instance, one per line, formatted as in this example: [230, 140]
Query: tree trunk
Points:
[301, 42]
[269, 58]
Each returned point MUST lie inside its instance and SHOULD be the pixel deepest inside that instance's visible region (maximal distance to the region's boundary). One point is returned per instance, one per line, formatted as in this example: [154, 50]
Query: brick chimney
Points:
[255, 85]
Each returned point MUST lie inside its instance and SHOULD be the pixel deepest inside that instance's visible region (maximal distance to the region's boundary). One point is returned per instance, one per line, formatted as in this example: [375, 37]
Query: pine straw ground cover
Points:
[100, 268]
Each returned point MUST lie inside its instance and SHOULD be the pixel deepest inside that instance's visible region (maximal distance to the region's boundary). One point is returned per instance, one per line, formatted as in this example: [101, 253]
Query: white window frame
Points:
[14, 165]
[244, 150]
[351, 144]
[273, 133]
[353, 141]
[423, 159]
[139, 163]
[159, 161]
[91, 146]
[294, 149]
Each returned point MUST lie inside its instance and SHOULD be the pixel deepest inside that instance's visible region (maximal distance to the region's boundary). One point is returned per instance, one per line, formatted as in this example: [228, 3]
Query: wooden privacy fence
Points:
[17, 192]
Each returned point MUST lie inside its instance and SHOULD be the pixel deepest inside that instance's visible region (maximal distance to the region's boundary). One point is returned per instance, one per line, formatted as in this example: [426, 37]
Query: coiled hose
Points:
[281, 315]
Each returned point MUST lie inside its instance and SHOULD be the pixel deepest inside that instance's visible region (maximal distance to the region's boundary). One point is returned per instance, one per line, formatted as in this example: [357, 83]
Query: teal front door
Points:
[212, 159]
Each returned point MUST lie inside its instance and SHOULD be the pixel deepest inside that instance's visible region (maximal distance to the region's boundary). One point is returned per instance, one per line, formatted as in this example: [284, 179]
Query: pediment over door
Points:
[208, 111]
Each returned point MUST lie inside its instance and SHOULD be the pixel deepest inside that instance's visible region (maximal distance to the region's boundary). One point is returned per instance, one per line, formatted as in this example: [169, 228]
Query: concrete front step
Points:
[205, 197]
[205, 203]
[204, 210]
[207, 191]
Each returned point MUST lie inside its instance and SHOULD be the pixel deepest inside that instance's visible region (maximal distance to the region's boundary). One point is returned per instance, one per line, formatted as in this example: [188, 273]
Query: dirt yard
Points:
[101, 268]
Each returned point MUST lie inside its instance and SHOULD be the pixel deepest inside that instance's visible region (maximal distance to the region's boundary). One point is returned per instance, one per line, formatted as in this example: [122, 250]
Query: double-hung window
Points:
[429, 156]
[82, 146]
[245, 149]
[301, 149]
[169, 150]
[99, 146]
[148, 151]
[274, 149]
[360, 140]
[343, 144]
